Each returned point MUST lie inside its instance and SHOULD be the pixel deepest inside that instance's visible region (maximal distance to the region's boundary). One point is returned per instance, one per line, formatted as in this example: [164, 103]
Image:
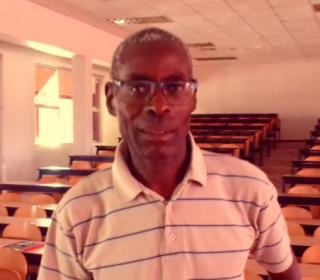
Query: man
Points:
[166, 209]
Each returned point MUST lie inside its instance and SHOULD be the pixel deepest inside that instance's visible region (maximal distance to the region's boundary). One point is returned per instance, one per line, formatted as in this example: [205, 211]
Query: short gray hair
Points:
[148, 35]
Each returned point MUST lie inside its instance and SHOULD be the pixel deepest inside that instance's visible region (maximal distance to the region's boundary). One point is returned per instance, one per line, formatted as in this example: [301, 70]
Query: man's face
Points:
[154, 129]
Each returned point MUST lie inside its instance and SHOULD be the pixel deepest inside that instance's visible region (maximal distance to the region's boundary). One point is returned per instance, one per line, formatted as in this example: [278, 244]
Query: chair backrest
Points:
[317, 233]
[11, 197]
[293, 212]
[3, 211]
[41, 198]
[30, 211]
[107, 153]
[295, 229]
[80, 165]
[311, 255]
[49, 179]
[74, 179]
[25, 231]
[10, 274]
[13, 260]
[311, 278]
[304, 189]
[249, 275]
[103, 165]
[236, 152]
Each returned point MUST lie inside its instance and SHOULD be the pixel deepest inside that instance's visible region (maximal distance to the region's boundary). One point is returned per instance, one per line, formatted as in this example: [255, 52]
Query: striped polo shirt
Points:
[111, 227]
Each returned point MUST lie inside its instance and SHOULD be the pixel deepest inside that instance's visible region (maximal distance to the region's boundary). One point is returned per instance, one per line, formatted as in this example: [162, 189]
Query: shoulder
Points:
[238, 178]
[87, 195]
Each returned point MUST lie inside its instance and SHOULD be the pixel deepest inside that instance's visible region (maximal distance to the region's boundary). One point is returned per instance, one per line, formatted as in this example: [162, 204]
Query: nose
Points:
[158, 104]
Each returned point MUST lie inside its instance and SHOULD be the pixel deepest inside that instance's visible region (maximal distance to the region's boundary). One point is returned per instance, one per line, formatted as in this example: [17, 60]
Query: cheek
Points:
[127, 111]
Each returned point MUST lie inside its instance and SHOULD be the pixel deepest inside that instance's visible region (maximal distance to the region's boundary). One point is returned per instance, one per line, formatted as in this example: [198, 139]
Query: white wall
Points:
[19, 156]
[290, 89]
[17, 125]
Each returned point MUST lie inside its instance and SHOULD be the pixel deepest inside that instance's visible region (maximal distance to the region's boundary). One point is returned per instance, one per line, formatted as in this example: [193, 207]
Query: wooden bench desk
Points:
[19, 186]
[13, 206]
[299, 199]
[64, 171]
[291, 180]
[306, 269]
[90, 158]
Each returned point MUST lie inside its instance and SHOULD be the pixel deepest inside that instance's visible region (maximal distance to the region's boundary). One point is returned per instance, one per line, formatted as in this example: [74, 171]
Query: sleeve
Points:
[272, 247]
[60, 259]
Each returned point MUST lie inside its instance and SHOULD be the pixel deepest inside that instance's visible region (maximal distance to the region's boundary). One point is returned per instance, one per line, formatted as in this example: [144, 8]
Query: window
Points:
[54, 106]
[96, 84]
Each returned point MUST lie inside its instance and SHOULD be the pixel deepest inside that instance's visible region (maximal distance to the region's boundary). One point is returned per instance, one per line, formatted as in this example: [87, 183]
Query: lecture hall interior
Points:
[257, 63]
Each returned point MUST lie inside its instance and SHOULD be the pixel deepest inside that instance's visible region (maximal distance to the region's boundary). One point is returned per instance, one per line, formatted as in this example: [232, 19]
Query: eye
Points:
[138, 87]
[174, 87]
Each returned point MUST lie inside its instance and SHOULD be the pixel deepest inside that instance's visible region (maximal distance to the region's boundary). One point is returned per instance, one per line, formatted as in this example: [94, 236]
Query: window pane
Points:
[48, 121]
[66, 120]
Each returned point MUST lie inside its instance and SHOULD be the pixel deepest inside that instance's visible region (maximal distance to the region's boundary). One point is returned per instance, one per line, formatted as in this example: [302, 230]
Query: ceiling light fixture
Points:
[139, 20]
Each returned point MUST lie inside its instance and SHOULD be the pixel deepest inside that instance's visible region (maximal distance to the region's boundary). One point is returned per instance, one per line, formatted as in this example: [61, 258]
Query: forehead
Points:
[157, 60]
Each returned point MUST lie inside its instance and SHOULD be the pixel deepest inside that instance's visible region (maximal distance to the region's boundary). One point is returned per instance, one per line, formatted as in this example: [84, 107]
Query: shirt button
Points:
[172, 236]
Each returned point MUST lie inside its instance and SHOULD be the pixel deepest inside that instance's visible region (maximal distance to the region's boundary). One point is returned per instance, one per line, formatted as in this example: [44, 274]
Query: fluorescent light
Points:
[49, 49]
[119, 21]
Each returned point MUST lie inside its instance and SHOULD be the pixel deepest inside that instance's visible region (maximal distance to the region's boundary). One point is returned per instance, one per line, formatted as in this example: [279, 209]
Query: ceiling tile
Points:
[295, 13]
[284, 3]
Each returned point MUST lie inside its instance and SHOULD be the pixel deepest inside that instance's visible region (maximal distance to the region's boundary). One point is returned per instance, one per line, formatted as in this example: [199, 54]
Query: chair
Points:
[311, 255]
[49, 179]
[80, 165]
[311, 278]
[9, 274]
[10, 197]
[249, 275]
[3, 211]
[30, 211]
[13, 260]
[305, 189]
[74, 179]
[103, 165]
[236, 152]
[292, 212]
[107, 153]
[317, 233]
[25, 231]
[295, 229]
[41, 198]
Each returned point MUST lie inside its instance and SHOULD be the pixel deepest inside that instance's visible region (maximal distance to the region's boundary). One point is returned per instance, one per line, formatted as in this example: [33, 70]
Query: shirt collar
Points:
[128, 187]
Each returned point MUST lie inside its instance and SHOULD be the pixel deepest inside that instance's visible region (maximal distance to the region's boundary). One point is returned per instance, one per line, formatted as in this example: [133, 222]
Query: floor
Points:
[279, 162]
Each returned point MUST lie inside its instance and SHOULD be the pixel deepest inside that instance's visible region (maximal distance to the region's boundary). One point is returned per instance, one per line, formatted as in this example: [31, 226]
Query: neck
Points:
[161, 174]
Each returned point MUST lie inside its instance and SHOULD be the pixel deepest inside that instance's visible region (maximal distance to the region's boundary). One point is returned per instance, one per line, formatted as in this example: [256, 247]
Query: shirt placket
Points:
[171, 243]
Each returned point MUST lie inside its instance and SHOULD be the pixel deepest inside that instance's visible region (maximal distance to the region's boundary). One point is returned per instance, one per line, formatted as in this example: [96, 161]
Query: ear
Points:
[109, 92]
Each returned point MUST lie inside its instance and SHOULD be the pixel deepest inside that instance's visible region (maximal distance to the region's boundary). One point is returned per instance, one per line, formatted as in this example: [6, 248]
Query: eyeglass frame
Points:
[160, 85]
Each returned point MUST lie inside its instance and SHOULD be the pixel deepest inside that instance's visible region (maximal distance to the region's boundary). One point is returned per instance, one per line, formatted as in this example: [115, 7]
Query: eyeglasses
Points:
[176, 93]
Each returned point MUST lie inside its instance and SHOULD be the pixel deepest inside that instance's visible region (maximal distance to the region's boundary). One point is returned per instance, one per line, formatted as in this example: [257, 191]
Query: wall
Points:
[290, 89]
[20, 157]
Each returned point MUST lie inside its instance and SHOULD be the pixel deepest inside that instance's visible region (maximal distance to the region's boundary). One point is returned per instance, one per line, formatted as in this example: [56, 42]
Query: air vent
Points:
[216, 58]
[200, 45]
[316, 7]
[208, 49]
[139, 20]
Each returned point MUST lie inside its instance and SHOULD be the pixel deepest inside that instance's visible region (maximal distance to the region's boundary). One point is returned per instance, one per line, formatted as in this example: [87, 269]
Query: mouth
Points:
[157, 134]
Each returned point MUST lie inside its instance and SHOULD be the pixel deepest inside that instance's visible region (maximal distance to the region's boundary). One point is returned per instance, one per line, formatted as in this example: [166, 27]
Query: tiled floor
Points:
[279, 163]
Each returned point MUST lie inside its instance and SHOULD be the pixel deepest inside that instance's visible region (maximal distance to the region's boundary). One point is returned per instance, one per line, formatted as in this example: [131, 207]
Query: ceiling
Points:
[241, 31]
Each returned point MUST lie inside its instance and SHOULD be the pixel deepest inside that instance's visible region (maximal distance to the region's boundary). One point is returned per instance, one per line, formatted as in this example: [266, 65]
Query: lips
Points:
[157, 134]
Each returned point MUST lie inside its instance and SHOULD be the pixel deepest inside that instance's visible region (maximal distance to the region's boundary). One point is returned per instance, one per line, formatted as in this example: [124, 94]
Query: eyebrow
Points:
[137, 77]
[172, 77]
